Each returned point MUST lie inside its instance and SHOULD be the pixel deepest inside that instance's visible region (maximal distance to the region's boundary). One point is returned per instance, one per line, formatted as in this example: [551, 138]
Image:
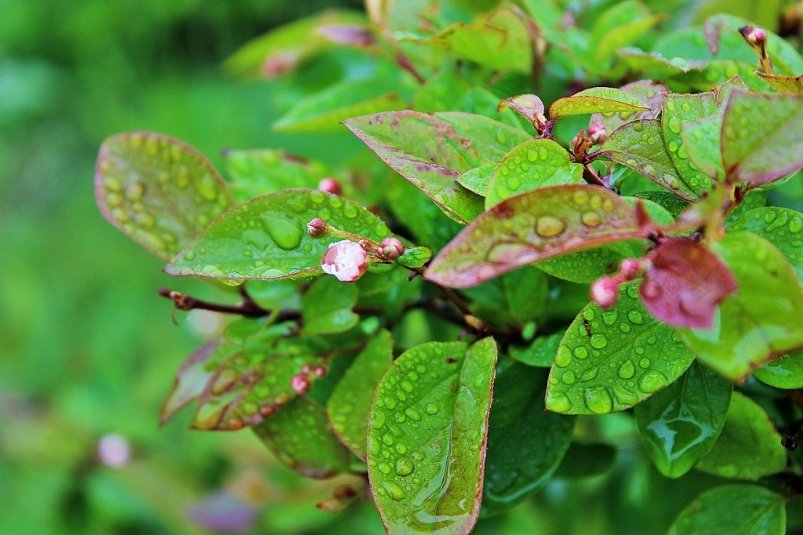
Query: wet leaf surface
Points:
[610, 360]
[782, 227]
[158, 191]
[426, 439]
[596, 100]
[256, 172]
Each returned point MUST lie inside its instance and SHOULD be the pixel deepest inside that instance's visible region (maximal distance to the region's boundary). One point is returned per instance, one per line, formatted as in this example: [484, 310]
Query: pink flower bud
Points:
[754, 36]
[346, 260]
[114, 450]
[316, 227]
[330, 185]
[597, 133]
[605, 291]
[319, 371]
[300, 383]
[392, 248]
[629, 268]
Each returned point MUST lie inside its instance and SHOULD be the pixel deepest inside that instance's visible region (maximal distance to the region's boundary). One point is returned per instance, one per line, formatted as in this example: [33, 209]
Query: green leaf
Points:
[620, 25]
[531, 165]
[511, 300]
[640, 146]
[189, 383]
[762, 320]
[586, 460]
[414, 257]
[525, 443]
[266, 238]
[541, 353]
[256, 172]
[749, 446]
[499, 41]
[733, 509]
[610, 360]
[702, 140]
[652, 95]
[157, 190]
[326, 307]
[679, 424]
[251, 383]
[781, 227]
[785, 372]
[477, 179]
[426, 438]
[433, 150]
[596, 100]
[324, 111]
[533, 226]
[655, 65]
[350, 403]
[761, 139]
[300, 437]
[679, 110]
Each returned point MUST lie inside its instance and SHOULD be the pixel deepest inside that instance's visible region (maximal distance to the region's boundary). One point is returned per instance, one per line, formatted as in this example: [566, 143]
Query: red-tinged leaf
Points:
[685, 283]
[433, 150]
[640, 146]
[254, 383]
[347, 34]
[540, 224]
[761, 136]
[157, 190]
[189, 383]
[650, 92]
[596, 100]
[528, 106]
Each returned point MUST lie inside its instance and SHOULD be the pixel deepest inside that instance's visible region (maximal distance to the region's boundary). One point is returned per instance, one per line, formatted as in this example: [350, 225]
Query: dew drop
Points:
[651, 381]
[624, 327]
[206, 187]
[674, 124]
[645, 362]
[563, 357]
[598, 341]
[285, 234]
[796, 225]
[549, 226]
[609, 317]
[634, 316]
[378, 420]
[431, 409]
[407, 386]
[404, 467]
[568, 377]
[598, 400]
[581, 352]
[394, 491]
[591, 219]
[627, 370]
[532, 155]
[558, 402]
[135, 191]
[384, 468]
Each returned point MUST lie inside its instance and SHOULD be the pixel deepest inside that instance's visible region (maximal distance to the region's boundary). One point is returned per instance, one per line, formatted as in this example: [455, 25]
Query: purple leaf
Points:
[685, 283]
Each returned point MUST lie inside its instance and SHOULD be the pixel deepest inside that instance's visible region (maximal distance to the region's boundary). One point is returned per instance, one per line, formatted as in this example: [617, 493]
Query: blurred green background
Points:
[87, 348]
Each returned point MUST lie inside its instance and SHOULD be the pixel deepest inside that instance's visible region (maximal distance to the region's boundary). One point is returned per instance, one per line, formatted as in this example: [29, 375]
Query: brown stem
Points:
[247, 307]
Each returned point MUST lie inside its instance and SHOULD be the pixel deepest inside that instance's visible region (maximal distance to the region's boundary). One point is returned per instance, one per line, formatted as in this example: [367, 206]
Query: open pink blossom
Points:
[346, 260]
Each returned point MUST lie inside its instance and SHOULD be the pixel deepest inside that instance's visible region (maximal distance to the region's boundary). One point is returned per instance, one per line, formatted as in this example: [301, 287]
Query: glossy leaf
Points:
[596, 100]
[784, 84]
[532, 165]
[525, 443]
[350, 403]
[761, 139]
[651, 94]
[477, 179]
[679, 111]
[300, 437]
[539, 224]
[189, 383]
[733, 509]
[640, 146]
[256, 172]
[749, 446]
[781, 227]
[251, 384]
[326, 307]
[658, 66]
[428, 225]
[266, 238]
[541, 353]
[157, 190]
[679, 424]
[323, 111]
[610, 360]
[701, 140]
[501, 41]
[684, 283]
[762, 320]
[785, 372]
[433, 150]
[427, 435]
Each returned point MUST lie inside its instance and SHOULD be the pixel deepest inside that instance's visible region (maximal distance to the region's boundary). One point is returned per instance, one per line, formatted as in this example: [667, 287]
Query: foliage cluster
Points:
[454, 363]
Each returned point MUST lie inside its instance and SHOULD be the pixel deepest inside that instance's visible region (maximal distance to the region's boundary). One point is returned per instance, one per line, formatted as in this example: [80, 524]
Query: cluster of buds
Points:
[348, 260]
[605, 290]
[584, 140]
[302, 381]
